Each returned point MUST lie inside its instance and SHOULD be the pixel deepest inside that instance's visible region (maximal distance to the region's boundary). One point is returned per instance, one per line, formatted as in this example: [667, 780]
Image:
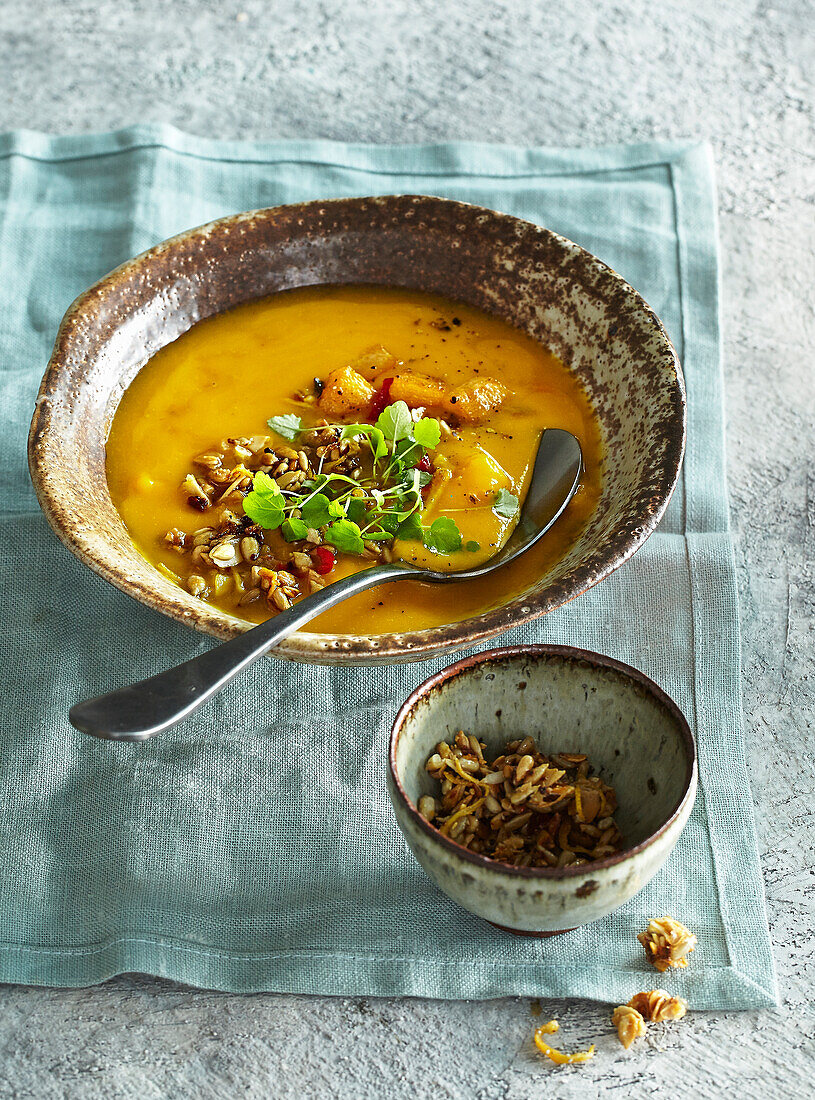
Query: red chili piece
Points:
[381, 398]
[323, 559]
[424, 464]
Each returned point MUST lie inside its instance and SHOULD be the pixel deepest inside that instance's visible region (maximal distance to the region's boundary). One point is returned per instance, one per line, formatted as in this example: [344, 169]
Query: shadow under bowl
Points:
[568, 700]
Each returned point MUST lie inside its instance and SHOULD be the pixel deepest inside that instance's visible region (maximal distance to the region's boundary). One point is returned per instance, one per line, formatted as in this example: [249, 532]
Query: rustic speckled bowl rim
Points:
[569, 653]
[340, 648]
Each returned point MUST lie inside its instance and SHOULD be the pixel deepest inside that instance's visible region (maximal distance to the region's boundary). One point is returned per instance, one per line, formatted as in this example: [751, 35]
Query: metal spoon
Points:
[142, 710]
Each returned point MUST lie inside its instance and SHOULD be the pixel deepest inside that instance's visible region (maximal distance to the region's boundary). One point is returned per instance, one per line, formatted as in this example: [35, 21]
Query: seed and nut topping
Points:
[629, 1023]
[339, 488]
[655, 1005]
[235, 554]
[523, 807]
[658, 1006]
[667, 943]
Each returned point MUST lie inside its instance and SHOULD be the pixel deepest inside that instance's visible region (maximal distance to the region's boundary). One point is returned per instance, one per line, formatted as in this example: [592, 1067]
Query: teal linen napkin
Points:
[255, 848]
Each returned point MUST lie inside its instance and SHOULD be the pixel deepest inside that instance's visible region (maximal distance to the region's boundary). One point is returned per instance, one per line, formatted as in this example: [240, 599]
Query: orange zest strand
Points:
[558, 1056]
[451, 762]
[463, 811]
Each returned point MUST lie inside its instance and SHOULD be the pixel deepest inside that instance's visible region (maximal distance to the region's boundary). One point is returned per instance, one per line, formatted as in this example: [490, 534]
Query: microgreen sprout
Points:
[385, 504]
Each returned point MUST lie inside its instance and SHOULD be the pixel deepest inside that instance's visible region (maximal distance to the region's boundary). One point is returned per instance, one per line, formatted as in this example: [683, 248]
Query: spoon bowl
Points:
[140, 711]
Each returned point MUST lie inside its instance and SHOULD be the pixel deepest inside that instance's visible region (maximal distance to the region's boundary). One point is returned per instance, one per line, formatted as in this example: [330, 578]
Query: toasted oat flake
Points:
[658, 1006]
[667, 943]
[197, 585]
[629, 1023]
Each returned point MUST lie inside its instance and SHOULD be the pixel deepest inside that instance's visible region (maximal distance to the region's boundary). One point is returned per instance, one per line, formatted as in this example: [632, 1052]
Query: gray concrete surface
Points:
[739, 72]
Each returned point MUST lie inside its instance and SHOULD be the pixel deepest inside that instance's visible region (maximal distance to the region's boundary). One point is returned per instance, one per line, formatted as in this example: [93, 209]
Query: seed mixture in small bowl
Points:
[523, 807]
[540, 787]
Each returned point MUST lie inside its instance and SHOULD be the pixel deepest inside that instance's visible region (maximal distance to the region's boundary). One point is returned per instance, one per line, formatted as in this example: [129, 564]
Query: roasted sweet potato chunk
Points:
[470, 402]
[418, 390]
[376, 359]
[346, 393]
[475, 400]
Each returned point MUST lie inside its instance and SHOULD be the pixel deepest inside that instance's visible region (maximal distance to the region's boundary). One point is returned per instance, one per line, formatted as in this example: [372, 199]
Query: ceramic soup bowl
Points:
[569, 700]
[539, 282]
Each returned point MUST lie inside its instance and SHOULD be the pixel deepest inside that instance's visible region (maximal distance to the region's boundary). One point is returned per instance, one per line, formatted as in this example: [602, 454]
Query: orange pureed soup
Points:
[191, 434]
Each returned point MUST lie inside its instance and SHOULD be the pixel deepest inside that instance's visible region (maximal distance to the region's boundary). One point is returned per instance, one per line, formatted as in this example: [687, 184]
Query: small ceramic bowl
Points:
[569, 700]
[546, 286]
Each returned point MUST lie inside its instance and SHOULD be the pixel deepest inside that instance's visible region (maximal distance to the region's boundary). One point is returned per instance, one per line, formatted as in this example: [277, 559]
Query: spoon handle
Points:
[142, 710]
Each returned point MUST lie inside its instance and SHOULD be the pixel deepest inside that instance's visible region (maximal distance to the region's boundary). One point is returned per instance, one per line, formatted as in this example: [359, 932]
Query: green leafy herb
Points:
[410, 529]
[288, 426]
[410, 484]
[356, 510]
[293, 529]
[385, 504]
[345, 536]
[395, 422]
[264, 504]
[442, 536]
[505, 504]
[472, 547]
[373, 434]
[427, 432]
[319, 510]
[405, 447]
